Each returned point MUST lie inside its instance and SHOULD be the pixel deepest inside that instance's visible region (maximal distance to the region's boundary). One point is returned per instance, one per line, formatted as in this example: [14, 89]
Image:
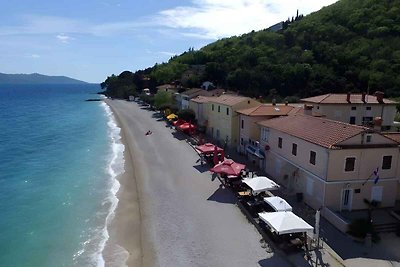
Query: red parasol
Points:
[209, 148]
[178, 122]
[186, 127]
[228, 167]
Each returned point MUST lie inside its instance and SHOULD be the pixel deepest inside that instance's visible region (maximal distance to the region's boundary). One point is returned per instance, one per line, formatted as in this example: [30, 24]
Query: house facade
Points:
[223, 120]
[358, 109]
[195, 92]
[199, 106]
[334, 165]
[249, 130]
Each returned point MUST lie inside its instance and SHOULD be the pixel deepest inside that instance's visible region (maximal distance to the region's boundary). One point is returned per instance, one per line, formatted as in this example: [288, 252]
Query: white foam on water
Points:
[115, 168]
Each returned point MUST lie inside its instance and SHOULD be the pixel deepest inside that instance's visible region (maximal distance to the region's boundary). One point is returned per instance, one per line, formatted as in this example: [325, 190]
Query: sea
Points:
[59, 158]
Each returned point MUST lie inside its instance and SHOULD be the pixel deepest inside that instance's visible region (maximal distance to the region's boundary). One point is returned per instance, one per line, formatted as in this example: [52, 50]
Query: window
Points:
[294, 149]
[368, 108]
[242, 123]
[369, 138]
[241, 141]
[350, 163]
[387, 162]
[280, 142]
[352, 120]
[248, 102]
[367, 120]
[353, 108]
[227, 111]
[212, 107]
[317, 107]
[313, 155]
[264, 134]
[219, 108]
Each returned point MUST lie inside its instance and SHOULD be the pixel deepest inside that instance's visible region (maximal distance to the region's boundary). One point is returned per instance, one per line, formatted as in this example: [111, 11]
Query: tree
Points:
[187, 115]
[162, 98]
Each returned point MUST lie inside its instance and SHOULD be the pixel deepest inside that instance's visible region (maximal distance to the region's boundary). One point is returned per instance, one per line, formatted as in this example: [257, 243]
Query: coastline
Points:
[125, 230]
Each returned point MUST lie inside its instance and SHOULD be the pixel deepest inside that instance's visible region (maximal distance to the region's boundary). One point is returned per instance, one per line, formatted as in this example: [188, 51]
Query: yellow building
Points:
[223, 120]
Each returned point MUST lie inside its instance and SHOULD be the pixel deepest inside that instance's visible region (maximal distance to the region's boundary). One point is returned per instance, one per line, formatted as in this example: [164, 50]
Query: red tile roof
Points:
[342, 99]
[202, 92]
[267, 110]
[201, 99]
[229, 100]
[394, 136]
[319, 131]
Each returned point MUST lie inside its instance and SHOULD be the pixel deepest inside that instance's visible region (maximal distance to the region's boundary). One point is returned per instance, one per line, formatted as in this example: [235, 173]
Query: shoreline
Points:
[125, 230]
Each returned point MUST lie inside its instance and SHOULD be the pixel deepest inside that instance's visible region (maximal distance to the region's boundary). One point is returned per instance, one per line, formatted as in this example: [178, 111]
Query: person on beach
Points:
[148, 132]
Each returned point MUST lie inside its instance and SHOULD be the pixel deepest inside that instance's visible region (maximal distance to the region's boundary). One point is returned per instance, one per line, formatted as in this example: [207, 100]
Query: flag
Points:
[376, 173]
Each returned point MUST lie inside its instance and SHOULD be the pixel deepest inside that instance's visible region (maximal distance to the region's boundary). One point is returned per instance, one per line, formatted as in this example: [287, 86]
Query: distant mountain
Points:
[36, 78]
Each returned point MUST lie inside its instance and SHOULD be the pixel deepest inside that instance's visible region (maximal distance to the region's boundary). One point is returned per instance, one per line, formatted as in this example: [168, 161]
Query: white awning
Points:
[285, 222]
[278, 203]
[260, 184]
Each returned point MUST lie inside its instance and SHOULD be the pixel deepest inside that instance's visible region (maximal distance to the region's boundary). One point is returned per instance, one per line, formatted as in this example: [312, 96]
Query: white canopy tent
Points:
[278, 203]
[260, 184]
[285, 222]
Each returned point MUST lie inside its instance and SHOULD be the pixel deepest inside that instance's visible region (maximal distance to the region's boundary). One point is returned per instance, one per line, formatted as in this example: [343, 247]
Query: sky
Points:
[90, 40]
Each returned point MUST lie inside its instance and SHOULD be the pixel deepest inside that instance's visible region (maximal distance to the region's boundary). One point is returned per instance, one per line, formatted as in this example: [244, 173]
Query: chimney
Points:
[308, 109]
[377, 123]
[348, 97]
[379, 96]
[286, 103]
[274, 102]
[363, 97]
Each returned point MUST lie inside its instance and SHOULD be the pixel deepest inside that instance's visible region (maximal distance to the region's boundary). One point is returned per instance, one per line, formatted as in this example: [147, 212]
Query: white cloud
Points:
[64, 38]
[202, 19]
[35, 56]
[215, 19]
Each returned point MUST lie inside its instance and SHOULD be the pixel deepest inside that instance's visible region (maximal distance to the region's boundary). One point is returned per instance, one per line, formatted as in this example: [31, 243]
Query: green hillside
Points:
[352, 45]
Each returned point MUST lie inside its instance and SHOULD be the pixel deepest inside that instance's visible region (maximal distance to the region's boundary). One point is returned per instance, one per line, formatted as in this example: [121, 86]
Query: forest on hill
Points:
[352, 45]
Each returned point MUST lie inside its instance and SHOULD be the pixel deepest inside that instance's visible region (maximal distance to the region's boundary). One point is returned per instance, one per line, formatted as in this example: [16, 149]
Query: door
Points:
[347, 199]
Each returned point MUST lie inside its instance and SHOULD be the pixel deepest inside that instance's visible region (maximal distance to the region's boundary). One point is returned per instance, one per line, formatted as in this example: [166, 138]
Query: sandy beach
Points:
[170, 213]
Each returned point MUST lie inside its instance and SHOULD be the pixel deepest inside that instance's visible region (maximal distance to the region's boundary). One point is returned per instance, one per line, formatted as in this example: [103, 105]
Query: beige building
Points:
[223, 120]
[249, 130]
[187, 95]
[199, 106]
[333, 164]
[359, 109]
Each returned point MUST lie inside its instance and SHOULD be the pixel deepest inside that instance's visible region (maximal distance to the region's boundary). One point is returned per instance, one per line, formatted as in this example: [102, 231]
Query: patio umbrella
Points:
[228, 167]
[285, 222]
[278, 204]
[260, 184]
[186, 127]
[172, 117]
[178, 122]
[209, 148]
[215, 158]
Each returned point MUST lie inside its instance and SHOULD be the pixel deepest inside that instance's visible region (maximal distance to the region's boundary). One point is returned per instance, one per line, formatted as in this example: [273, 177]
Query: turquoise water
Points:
[56, 181]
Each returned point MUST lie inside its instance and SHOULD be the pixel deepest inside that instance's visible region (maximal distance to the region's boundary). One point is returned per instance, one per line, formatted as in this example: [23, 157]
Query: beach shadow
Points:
[202, 168]
[179, 135]
[157, 116]
[223, 195]
[275, 260]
